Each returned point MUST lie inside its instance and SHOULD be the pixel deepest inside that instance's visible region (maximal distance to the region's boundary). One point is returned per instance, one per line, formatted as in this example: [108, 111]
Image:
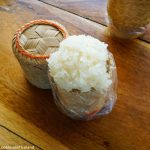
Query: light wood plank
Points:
[8, 138]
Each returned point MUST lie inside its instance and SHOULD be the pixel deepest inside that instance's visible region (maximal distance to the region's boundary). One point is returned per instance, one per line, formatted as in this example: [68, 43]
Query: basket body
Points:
[34, 65]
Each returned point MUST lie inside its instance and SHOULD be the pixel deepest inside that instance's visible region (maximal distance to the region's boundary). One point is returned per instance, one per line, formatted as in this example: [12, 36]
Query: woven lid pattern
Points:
[41, 39]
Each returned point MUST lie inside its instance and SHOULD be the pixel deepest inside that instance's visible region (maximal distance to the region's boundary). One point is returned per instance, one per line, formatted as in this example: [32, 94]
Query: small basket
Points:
[32, 45]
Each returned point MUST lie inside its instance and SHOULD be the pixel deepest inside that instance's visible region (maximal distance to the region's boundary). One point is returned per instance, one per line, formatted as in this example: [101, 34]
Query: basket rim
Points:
[17, 35]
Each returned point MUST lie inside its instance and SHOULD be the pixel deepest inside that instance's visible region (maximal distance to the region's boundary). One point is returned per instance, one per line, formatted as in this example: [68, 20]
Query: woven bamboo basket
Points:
[32, 45]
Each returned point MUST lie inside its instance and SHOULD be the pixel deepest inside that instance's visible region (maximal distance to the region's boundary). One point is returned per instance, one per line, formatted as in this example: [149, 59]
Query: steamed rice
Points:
[80, 63]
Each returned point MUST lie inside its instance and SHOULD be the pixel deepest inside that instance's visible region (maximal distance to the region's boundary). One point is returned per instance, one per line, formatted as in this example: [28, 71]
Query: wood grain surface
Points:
[9, 138]
[29, 112]
[95, 10]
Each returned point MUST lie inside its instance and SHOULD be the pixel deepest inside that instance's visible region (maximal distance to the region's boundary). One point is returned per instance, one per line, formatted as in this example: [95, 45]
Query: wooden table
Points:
[28, 116]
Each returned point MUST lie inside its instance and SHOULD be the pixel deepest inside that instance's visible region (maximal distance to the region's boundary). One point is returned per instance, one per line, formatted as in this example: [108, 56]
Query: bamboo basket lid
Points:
[40, 38]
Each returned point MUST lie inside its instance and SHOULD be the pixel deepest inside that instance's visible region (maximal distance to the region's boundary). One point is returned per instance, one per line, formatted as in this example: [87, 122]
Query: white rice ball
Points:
[80, 63]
